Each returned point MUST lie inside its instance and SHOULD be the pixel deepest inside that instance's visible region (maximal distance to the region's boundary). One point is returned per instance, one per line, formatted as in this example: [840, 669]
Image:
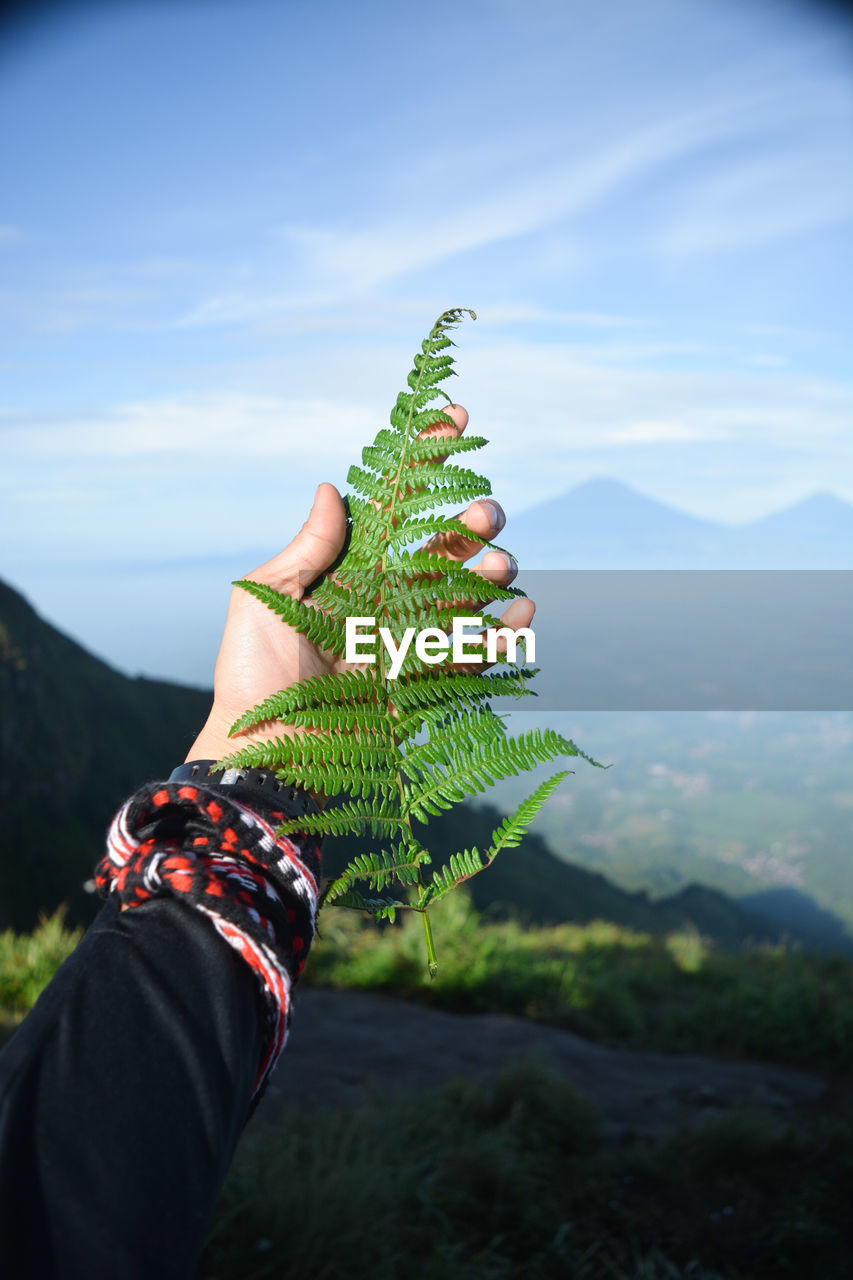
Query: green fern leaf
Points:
[326, 632]
[398, 750]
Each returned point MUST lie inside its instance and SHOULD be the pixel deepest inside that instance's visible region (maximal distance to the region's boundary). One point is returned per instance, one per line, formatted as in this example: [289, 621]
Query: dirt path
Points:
[346, 1044]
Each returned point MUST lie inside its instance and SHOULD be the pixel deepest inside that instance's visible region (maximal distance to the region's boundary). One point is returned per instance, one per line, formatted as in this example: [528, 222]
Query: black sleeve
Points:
[124, 1093]
[125, 1090]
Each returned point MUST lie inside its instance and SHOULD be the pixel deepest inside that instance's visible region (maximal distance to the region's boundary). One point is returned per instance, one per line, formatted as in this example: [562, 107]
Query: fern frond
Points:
[306, 749]
[448, 484]
[378, 821]
[418, 697]
[323, 631]
[507, 836]
[321, 771]
[462, 726]
[350, 687]
[460, 492]
[429, 525]
[513, 828]
[397, 751]
[382, 456]
[458, 773]
[432, 447]
[380, 869]
[460, 866]
[381, 908]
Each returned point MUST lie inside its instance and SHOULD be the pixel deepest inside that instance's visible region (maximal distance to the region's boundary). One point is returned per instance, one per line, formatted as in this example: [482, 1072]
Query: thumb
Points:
[313, 549]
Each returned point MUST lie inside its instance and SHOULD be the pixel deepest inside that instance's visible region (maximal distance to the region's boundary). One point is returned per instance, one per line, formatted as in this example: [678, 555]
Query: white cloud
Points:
[570, 392]
[767, 361]
[524, 313]
[330, 312]
[726, 442]
[223, 424]
[656, 432]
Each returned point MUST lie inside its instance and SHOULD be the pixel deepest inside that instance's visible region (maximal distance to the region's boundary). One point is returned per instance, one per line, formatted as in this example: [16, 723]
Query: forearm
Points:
[124, 1092]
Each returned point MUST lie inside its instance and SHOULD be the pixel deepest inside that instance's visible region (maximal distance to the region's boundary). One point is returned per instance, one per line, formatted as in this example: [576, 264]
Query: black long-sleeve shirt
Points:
[124, 1092]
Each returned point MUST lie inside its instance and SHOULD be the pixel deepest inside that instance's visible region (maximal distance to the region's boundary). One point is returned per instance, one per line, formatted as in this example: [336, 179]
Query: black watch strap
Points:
[290, 797]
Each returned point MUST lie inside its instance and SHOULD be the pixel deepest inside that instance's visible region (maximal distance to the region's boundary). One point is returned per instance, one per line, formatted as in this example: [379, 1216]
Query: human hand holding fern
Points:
[404, 740]
[259, 656]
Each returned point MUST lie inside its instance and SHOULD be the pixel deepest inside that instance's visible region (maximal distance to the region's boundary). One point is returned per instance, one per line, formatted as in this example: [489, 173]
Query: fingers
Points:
[519, 614]
[460, 418]
[313, 549]
[498, 567]
[451, 430]
[485, 517]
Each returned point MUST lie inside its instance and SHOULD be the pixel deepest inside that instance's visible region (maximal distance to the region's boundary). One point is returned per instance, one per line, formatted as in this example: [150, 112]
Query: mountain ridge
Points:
[76, 738]
[604, 523]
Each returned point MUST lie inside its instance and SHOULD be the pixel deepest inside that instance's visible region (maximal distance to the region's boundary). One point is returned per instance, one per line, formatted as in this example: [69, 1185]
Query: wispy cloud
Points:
[759, 203]
[515, 204]
[224, 424]
[658, 431]
[570, 403]
[77, 295]
[766, 360]
[583, 396]
[329, 312]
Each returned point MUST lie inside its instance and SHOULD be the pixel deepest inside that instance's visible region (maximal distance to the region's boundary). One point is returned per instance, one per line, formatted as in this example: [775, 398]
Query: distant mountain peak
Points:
[604, 523]
[818, 511]
[604, 501]
[605, 484]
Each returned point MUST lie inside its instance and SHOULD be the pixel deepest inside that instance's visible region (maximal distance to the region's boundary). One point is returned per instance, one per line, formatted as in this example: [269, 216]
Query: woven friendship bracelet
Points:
[222, 858]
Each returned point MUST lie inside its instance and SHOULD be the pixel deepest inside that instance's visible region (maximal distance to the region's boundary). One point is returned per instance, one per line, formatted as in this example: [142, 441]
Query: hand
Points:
[260, 654]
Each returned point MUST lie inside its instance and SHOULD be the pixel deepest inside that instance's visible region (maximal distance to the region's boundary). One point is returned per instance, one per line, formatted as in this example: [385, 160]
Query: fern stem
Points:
[407, 439]
[432, 958]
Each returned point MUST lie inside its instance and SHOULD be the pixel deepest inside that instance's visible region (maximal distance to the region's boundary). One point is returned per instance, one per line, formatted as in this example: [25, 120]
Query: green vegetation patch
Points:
[610, 983]
[512, 1178]
[28, 961]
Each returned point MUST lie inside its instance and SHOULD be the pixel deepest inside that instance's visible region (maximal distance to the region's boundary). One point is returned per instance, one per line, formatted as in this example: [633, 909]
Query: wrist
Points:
[213, 742]
[296, 801]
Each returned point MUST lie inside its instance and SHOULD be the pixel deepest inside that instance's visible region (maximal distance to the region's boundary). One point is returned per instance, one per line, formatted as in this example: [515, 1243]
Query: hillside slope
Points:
[533, 885]
[76, 737]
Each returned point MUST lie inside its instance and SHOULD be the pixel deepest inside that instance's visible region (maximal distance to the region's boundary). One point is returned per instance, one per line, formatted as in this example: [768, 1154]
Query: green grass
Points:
[28, 961]
[511, 1178]
[608, 983]
[603, 981]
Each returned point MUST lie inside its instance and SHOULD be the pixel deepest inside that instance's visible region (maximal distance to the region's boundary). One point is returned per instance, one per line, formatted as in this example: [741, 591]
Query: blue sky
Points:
[224, 227]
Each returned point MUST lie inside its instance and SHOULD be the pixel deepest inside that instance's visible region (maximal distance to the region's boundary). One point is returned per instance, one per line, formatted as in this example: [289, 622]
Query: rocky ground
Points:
[346, 1044]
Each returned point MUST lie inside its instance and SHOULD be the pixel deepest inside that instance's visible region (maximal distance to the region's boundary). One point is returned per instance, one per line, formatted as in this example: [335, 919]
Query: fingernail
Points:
[498, 519]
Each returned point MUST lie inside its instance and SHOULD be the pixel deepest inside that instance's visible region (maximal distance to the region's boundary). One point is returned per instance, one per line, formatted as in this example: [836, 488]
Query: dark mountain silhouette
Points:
[76, 738]
[794, 910]
[534, 886]
[605, 524]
